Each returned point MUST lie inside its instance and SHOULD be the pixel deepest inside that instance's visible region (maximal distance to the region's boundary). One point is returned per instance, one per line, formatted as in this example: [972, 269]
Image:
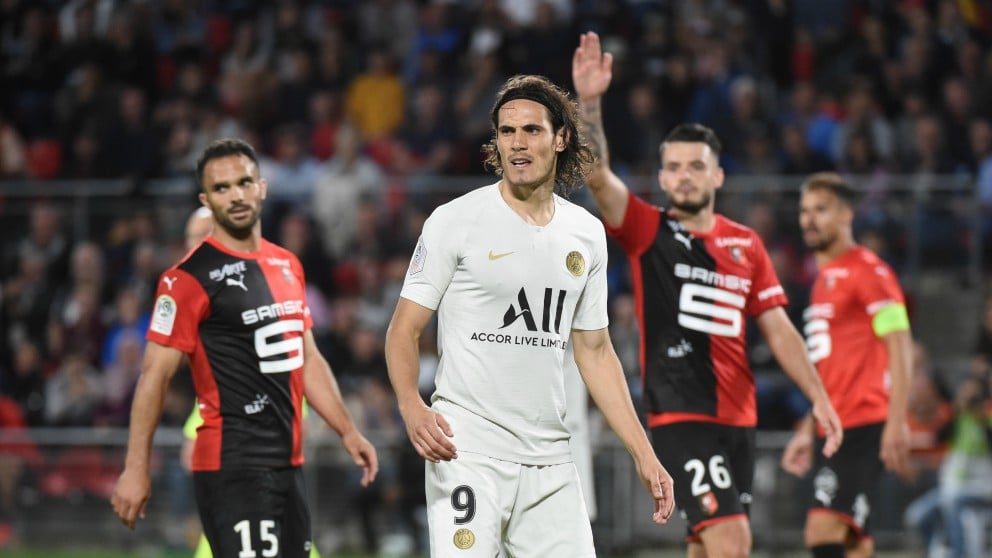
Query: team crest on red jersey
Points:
[708, 503]
[736, 254]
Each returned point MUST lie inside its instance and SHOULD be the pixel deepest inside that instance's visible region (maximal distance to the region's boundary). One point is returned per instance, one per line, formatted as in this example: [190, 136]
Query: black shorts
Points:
[844, 483]
[254, 512]
[712, 466]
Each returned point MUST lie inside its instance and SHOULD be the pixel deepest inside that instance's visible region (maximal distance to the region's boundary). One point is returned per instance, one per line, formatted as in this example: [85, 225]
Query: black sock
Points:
[828, 551]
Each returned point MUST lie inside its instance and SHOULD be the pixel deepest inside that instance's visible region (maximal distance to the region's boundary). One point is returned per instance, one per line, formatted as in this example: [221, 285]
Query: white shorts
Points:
[475, 503]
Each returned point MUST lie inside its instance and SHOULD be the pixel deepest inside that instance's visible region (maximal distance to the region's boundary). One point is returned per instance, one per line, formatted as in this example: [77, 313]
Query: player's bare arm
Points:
[790, 352]
[428, 431]
[603, 375]
[324, 396]
[798, 455]
[134, 485]
[592, 71]
[895, 435]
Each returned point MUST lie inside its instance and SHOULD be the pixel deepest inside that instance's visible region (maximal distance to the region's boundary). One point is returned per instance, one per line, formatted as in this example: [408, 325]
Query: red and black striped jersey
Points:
[240, 318]
[692, 291]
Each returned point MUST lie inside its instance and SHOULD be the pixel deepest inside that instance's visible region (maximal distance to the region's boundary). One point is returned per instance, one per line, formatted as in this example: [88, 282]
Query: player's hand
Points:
[130, 496]
[429, 433]
[592, 70]
[659, 484]
[363, 453]
[895, 447]
[826, 417]
[798, 455]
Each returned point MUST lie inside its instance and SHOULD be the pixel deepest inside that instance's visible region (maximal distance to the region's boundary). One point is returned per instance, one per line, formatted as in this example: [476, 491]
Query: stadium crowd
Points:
[360, 108]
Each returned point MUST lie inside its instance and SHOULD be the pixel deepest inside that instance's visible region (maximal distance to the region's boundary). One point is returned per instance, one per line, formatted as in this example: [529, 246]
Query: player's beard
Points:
[690, 207]
[820, 243]
[240, 230]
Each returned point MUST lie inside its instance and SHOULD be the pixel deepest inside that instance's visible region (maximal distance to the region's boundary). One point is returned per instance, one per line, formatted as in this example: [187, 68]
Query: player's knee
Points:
[824, 529]
[731, 539]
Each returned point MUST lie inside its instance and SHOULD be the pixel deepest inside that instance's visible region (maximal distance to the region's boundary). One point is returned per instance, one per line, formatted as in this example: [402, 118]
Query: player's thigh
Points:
[844, 483]
[254, 512]
[468, 503]
[712, 467]
[549, 518]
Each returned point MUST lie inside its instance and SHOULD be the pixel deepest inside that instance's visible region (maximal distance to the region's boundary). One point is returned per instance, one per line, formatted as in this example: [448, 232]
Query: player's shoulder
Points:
[272, 250]
[465, 207]
[575, 212]
[726, 226]
[869, 262]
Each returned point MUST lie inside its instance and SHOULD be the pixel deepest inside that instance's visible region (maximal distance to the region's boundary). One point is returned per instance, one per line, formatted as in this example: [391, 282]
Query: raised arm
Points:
[324, 396]
[592, 71]
[428, 431]
[134, 485]
[601, 371]
[790, 352]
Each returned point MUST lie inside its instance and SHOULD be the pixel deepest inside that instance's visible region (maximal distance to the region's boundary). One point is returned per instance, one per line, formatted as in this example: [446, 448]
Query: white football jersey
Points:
[507, 295]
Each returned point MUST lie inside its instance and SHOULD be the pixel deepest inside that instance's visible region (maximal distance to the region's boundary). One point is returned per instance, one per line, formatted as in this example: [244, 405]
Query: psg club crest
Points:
[708, 503]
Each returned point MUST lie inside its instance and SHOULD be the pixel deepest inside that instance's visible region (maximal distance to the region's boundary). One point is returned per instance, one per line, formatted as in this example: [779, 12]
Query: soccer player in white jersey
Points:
[516, 273]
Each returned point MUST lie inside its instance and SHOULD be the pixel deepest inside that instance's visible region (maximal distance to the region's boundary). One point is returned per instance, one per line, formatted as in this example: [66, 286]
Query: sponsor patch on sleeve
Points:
[419, 257]
[164, 316]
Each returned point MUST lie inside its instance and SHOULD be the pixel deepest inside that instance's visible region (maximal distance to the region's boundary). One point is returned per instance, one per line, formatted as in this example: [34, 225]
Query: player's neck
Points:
[536, 206]
[701, 222]
[248, 244]
[834, 251]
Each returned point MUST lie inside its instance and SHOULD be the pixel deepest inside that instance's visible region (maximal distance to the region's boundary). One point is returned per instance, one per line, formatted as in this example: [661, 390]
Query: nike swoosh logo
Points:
[498, 256]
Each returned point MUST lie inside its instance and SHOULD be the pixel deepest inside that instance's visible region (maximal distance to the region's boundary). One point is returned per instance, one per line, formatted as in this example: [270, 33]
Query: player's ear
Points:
[263, 187]
[561, 140]
[203, 199]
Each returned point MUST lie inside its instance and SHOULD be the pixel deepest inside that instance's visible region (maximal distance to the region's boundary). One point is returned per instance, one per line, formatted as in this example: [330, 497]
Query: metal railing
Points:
[62, 497]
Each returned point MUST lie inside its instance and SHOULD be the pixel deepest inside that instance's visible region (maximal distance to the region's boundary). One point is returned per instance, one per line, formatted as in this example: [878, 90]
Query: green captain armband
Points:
[891, 318]
[192, 423]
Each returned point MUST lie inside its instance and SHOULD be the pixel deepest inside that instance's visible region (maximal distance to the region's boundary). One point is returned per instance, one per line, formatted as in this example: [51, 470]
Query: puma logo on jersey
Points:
[239, 282]
[169, 281]
[494, 257]
[684, 240]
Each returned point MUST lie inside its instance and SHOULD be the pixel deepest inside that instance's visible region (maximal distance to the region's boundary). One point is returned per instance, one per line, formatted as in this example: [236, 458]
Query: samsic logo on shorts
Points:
[464, 539]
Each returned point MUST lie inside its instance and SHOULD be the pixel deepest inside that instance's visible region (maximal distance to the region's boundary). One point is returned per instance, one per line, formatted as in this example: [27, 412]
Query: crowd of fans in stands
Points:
[360, 107]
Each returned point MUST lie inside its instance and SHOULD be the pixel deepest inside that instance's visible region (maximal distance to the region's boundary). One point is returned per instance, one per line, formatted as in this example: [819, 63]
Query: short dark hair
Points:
[831, 182]
[692, 133]
[223, 147]
[576, 160]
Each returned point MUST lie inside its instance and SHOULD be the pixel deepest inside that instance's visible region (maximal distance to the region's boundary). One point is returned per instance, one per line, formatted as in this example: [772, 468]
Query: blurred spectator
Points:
[426, 140]
[797, 157]
[250, 49]
[73, 394]
[26, 383]
[296, 235]
[342, 182]
[130, 318]
[45, 240]
[120, 376]
[27, 298]
[965, 480]
[376, 97]
[292, 171]
[13, 153]
[77, 326]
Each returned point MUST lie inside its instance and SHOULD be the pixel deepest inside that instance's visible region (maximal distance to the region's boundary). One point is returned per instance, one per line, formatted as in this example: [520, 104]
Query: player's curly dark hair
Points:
[577, 159]
[222, 148]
